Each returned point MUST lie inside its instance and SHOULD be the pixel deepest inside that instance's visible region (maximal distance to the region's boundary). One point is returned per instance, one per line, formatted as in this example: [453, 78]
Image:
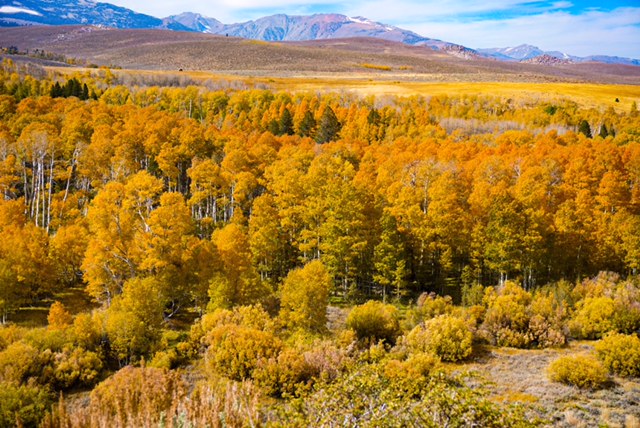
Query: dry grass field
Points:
[361, 66]
[390, 83]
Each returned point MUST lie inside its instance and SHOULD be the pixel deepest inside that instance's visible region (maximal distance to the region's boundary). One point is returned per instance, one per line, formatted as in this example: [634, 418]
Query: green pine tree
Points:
[585, 129]
[604, 133]
[307, 125]
[329, 126]
[286, 123]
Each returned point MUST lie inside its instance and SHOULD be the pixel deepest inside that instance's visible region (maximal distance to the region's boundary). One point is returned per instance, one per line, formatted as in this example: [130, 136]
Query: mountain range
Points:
[271, 28]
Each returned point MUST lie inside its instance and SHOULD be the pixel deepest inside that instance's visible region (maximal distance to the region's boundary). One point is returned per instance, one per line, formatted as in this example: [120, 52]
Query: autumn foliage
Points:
[245, 246]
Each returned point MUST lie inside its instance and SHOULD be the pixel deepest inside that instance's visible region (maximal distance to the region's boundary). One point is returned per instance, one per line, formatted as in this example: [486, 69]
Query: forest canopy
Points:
[218, 224]
[217, 196]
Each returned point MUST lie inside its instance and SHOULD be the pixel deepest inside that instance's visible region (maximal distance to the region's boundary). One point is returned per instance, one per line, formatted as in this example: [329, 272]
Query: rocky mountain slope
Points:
[301, 28]
[528, 53]
[76, 12]
[270, 28]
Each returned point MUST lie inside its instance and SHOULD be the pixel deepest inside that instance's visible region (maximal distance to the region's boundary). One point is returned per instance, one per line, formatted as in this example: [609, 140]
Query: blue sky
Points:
[576, 27]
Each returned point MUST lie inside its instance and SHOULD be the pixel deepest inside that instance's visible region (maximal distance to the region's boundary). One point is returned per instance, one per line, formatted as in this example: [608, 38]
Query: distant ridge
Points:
[533, 54]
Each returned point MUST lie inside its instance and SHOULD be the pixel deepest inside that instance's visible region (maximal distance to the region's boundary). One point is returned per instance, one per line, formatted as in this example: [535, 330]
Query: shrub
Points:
[620, 354]
[606, 290]
[370, 396]
[546, 322]
[19, 362]
[164, 359]
[583, 371]
[45, 338]
[59, 318]
[76, 367]
[593, 318]
[506, 321]
[626, 318]
[516, 318]
[326, 360]
[431, 305]
[374, 321]
[87, 330]
[253, 316]
[234, 351]
[136, 397]
[446, 336]
[304, 296]
[284, 374]
[601, 285]
[544, 333]
[9, 334]
[23, 405]
[134, 319]
[472, 294]
[413, 374]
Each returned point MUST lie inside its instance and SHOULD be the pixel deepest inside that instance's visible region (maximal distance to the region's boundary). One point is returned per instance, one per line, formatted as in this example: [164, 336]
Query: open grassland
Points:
[586, 95]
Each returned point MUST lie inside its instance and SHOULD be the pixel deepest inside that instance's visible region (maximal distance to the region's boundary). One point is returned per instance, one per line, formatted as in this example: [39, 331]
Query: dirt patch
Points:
[514, 375]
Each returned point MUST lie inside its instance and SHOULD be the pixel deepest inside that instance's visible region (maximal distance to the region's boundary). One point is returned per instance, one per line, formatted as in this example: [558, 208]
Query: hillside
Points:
[162, 50]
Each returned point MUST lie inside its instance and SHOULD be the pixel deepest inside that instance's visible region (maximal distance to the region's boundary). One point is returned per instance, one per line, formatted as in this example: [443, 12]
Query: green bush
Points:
[446, 336]
[23, 405]
[76, 367]
[370, 395]
[583, 371]
[19, 362]
[375, 321]
[620, 354]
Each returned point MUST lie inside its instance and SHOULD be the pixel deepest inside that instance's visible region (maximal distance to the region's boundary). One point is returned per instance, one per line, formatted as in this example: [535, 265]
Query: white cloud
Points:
[228, 11]
[613, 33]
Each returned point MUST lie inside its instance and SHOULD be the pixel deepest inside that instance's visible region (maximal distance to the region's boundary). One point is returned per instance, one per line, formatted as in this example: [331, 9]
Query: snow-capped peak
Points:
[13, 9]
[360, 20]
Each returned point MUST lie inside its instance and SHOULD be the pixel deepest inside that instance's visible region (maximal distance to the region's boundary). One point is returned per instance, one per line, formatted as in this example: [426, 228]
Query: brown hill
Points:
[168, 50]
